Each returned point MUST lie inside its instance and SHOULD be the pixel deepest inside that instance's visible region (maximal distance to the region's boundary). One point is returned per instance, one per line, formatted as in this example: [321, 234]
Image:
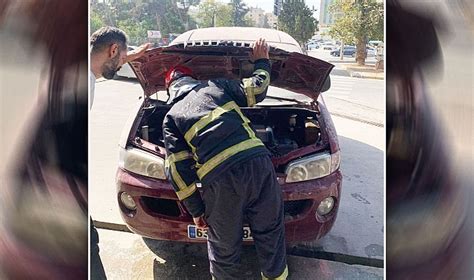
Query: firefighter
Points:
[209, 141]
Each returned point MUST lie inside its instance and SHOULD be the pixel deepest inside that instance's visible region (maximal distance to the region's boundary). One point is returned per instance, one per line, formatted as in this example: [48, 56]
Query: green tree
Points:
[297, 20]
[136, 17]
[96, 22]
[358, 21]
[239, 10]
[213, 13]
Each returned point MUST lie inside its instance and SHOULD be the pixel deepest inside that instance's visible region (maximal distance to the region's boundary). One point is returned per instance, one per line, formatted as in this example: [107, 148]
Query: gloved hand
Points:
[200, 222]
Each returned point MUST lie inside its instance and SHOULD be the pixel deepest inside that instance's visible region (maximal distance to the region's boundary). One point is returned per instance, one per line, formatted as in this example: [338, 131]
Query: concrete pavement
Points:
[127, 256]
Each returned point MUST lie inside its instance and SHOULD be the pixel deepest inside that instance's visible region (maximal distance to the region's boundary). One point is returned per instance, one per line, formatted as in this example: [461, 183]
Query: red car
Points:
[294, 126]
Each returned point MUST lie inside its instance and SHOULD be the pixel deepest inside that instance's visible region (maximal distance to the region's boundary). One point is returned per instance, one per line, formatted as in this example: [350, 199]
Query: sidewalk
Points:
[357, 71]
[348, 66]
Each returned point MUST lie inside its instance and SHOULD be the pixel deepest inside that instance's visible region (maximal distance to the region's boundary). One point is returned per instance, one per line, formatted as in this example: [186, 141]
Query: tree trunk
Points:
[341, 53]
[158, 21]
[361, 51]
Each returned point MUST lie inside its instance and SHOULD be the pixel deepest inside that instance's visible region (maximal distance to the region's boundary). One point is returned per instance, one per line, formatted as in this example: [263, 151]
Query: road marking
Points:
[341, 87]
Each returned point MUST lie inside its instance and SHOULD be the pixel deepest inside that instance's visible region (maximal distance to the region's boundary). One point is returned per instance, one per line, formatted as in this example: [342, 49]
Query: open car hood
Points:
[292, 71]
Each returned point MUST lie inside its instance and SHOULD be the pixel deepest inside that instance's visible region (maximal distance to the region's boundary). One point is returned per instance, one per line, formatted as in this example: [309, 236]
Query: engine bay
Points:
[281, 129]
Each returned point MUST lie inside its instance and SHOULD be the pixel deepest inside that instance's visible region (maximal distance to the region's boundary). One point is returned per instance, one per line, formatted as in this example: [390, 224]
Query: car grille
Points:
[170, 207]
[295, 207]
[161, 206]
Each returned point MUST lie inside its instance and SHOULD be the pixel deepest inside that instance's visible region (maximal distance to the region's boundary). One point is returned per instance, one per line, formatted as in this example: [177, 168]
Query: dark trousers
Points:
[247, 191]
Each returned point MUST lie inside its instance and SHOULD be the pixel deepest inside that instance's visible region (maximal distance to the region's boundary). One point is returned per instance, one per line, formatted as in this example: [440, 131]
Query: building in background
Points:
[257, 16]
[272, 20]
[261, 19]
[326, 19]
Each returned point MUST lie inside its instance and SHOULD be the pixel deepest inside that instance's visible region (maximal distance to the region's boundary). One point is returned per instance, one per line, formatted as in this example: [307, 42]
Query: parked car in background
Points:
[375, 43]
[371, 52]
[126, 71]
[295, 127]
[348, 51]
[328, 46]
[312, 46]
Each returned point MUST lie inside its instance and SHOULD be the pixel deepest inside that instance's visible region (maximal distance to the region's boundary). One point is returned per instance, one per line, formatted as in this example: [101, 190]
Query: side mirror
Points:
[327, 84]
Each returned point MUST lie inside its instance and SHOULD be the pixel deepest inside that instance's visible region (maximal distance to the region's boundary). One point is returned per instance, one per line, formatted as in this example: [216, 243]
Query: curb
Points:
[335, 257]
[111, 226]
[374, 123]
[356, 74]
[359, 75]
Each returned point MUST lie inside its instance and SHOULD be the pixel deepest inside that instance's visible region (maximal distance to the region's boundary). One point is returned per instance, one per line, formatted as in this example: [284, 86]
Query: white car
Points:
[126, 71]
[328, 46]
[312, 46]
[371, 52]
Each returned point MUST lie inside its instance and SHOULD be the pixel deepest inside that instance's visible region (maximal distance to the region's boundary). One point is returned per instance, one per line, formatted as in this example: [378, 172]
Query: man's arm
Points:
[255, 87]
[249, 91]
[180, 169]
[136, 53]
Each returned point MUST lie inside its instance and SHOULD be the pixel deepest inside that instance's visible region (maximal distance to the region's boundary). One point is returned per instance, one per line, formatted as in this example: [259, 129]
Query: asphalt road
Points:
[358, 231]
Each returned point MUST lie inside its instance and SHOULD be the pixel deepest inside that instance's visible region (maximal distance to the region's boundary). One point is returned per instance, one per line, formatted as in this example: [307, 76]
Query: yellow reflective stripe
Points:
[179, 156]
[186, 192]
[227, 153]
[176, 177]
[248, 89]
[246, 123]
[170, 162]
[251, 90]
[283, 276]
[212, 116]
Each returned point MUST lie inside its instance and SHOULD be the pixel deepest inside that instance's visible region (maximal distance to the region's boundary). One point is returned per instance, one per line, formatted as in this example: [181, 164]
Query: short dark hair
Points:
[106, 36]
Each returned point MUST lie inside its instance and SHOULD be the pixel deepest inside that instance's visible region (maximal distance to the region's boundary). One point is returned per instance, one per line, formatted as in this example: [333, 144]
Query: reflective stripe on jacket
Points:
[205, 132]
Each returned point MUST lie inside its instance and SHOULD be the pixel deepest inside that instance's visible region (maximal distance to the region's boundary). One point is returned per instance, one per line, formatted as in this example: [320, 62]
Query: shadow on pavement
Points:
[190, 261]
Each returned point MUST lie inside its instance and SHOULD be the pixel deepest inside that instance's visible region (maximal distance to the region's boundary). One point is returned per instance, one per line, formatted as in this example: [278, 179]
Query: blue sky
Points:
[267, 5]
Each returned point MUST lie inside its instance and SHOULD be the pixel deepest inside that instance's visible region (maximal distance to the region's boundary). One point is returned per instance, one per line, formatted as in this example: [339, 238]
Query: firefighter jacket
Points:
[205, 132]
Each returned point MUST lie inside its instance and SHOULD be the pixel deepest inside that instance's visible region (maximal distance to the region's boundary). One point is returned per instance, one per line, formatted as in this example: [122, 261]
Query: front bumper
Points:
[159, 215]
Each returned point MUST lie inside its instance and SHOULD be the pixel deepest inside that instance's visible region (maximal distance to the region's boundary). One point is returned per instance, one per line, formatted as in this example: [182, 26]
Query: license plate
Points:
[200, 233]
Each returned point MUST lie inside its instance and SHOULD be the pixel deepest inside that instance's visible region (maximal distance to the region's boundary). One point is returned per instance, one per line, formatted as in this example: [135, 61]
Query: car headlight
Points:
[313, 167]
[143, 163]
